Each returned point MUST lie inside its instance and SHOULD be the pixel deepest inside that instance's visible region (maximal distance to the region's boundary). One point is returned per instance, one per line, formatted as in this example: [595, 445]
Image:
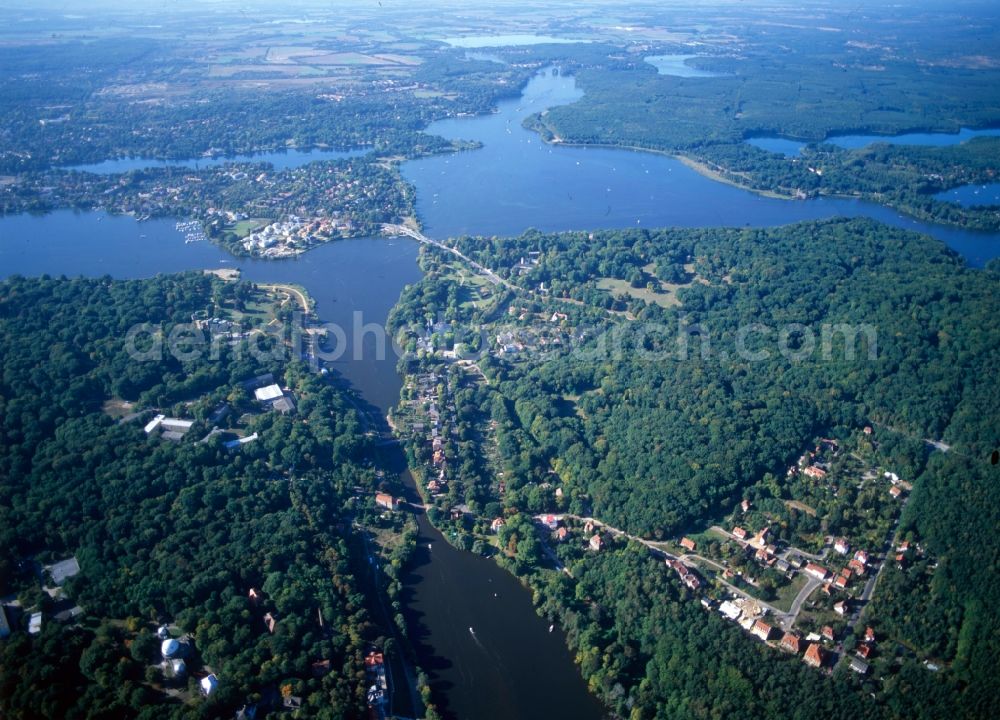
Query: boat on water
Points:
[551, 627]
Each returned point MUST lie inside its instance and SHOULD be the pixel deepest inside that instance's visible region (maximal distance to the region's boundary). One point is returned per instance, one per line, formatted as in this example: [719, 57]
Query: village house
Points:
[739, 533]
[863, 651]
[688, 544]
[862, 557]
[859, 666]
[497, 524]
[384, 500]
[208, 684]
[760, 539]
[813, 656]
[840, 607]
[550, 521]
[745, 505]
[790, 642]
[817, 571]
[596, 542]
[561, 534]
[814, 471]
[270, 622]
[895, 491]
[841, 546]
[827, 633]
[730, 610]
[761, 630]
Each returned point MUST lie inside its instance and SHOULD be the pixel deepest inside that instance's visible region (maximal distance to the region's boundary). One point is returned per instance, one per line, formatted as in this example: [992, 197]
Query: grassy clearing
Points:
[245, 227]
[786, 594]
[665, 298]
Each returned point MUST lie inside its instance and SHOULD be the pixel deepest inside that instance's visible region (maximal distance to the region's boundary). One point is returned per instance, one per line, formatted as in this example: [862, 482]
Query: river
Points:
[510, 666]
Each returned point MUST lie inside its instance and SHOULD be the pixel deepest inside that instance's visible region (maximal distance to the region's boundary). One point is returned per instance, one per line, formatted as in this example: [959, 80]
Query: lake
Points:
[678, 66]
[281, 160]
[514, 39]
[515, 182]
[968, 195]
[791, 148]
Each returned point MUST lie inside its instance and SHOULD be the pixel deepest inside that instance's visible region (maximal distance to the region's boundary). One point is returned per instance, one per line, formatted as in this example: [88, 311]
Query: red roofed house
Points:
[827, 633]
[762, 630]
[841, 546]
[688, 544]
[817, 571]
[814, 471]
[790, 642]
[497, 524]
[813, 656]
[550, 521]
[596, 543]
[384, 500]
[739, 533]
[869, 634]
[840, 582]
[861, 556]
[895, 491]
[561, 534]
[863, 651]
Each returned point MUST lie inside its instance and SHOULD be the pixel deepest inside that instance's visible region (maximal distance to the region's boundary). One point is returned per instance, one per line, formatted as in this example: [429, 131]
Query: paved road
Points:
[793, 612]
[420, 237]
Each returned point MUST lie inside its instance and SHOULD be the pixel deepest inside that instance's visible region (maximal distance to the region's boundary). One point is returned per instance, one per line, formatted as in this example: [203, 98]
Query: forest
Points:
[659, 418]
[174, 533]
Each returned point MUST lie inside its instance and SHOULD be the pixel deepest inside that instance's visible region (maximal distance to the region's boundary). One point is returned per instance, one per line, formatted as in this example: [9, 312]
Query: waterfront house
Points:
[384, 500]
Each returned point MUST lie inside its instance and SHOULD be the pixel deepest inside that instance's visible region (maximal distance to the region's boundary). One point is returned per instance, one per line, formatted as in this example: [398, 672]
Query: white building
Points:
[268, 393]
